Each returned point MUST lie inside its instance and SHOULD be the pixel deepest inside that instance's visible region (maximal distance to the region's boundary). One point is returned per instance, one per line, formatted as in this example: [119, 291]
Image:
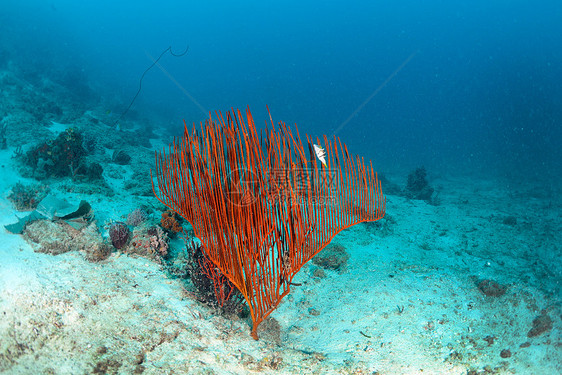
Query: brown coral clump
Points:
[333, 257]
[491, 288]
[57, 237]
[149, 242]
[541, 324]
[170, 222]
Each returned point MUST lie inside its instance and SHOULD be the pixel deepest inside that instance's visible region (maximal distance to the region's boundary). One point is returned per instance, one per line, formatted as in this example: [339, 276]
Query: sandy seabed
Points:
[419, 293]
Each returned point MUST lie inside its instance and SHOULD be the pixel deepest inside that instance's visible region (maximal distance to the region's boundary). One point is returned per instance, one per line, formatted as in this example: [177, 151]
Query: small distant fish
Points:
[320, 154]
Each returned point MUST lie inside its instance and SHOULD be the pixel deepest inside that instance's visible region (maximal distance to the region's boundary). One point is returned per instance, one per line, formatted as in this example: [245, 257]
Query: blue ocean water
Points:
[466, 87]
[462, 275]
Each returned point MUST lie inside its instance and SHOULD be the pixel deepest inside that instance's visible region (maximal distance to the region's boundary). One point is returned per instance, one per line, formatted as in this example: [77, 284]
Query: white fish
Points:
[320, 154]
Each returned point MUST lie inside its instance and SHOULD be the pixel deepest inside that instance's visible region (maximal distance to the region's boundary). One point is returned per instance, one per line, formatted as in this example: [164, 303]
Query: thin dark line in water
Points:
[169, 49]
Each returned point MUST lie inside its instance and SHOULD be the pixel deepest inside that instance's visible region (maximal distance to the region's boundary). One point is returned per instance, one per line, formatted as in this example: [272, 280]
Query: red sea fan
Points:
[261, 203]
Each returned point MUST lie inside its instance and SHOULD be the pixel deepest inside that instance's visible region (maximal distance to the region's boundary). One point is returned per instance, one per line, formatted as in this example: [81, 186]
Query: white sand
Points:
[410, 285]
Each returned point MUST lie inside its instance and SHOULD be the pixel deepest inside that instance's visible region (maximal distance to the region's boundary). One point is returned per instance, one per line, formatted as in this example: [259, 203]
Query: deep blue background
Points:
[481, 92]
